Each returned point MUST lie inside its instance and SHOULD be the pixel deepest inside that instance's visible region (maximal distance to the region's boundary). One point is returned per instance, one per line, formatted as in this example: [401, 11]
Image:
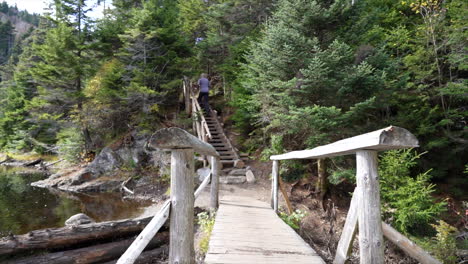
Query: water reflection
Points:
[24, 208]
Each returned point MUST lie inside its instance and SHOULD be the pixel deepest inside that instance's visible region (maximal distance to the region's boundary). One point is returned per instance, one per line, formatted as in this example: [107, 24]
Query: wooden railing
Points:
[180, 207]
[365, 204]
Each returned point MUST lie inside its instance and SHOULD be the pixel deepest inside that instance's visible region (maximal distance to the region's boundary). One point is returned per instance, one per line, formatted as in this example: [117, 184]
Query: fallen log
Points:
[7, 159]
[92, 254]
[70, 235]
[32, 163]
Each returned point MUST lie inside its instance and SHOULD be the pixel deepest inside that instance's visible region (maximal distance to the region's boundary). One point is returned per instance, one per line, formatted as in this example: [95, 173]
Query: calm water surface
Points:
[24, 208]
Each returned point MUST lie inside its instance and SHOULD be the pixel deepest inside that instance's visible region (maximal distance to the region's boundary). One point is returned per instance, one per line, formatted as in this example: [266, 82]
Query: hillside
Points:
[14, 25]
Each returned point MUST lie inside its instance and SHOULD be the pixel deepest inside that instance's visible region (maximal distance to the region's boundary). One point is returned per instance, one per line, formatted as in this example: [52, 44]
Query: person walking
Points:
[204, 85]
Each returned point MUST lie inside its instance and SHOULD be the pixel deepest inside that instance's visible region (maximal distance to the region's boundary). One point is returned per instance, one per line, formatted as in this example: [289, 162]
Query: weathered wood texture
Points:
[51, 238]
[215, 172]
[92, 254]
[248, 231]
[345, 245]
[176, 138]
[140, 243]
[274, 185]
[384, 139]
[407, 246]
[181, 248]
[371, 244]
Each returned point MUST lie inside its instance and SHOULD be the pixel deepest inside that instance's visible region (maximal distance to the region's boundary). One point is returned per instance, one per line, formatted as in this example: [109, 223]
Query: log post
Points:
[215, 170]
[371, 243]
[181, 248]
[274, 186]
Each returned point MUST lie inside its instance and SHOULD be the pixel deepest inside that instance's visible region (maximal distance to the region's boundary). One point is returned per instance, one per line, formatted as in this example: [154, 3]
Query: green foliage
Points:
[206, 222]
[294, 219]
[407, 201]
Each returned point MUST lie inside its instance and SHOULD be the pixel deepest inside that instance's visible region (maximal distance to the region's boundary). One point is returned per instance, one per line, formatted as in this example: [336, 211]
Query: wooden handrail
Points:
[365, 204]
[176, 138]
[180, 207]
[391, 137]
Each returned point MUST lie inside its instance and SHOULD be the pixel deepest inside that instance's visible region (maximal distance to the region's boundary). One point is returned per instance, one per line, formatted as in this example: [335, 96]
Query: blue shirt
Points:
[204, 85]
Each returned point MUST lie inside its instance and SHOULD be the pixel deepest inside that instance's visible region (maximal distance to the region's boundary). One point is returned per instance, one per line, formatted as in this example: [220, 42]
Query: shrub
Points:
[294, 219]
[206, 222]
[407, 201]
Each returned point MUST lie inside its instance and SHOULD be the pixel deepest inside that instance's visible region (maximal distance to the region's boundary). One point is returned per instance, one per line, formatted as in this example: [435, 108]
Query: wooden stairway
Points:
[233, 171]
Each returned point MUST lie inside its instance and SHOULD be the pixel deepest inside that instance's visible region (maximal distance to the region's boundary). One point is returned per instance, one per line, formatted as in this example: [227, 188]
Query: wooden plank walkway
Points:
[248, 231]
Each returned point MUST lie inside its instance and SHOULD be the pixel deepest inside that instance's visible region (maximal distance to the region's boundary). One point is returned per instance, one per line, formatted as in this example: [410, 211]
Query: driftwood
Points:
[70, 235]
[124, 188]
[92, 254]
[53, 163]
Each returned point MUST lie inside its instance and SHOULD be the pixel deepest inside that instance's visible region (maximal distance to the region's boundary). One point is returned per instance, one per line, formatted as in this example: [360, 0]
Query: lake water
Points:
[24, 208]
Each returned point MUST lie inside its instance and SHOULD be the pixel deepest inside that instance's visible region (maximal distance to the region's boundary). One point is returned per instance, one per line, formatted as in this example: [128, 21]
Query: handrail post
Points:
[215, 170]
[274, 186]
[371, 243]
[181, 248]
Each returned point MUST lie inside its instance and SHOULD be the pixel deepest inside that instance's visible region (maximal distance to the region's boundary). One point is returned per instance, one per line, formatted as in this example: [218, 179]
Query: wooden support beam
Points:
[274, 186]
[384, 139]
[215, 172]
[181, 249]
[176, 138]
[371, 243]
[345, 245]
[285, 195]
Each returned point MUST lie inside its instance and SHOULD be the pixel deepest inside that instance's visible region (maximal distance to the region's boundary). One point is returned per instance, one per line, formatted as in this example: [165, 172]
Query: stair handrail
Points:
[200, 126]
[364, 210]
[180, 207]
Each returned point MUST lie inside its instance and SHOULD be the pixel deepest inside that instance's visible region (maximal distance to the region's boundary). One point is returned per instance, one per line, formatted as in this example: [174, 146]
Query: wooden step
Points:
[228, 157]
[219, 144]
[223, 148]
[225, 152]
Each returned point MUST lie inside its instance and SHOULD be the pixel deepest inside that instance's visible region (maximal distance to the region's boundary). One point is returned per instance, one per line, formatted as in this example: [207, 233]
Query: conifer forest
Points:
[285, 75]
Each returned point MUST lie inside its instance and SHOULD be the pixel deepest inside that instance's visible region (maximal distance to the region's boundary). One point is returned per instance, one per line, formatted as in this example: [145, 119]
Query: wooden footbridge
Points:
[249, 231]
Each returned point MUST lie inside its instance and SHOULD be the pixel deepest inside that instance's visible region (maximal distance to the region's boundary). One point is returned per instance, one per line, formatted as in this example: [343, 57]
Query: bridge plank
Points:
[248, 231]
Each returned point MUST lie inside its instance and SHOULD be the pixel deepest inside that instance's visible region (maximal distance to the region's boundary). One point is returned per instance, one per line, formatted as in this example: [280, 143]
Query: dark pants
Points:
[203, 101]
